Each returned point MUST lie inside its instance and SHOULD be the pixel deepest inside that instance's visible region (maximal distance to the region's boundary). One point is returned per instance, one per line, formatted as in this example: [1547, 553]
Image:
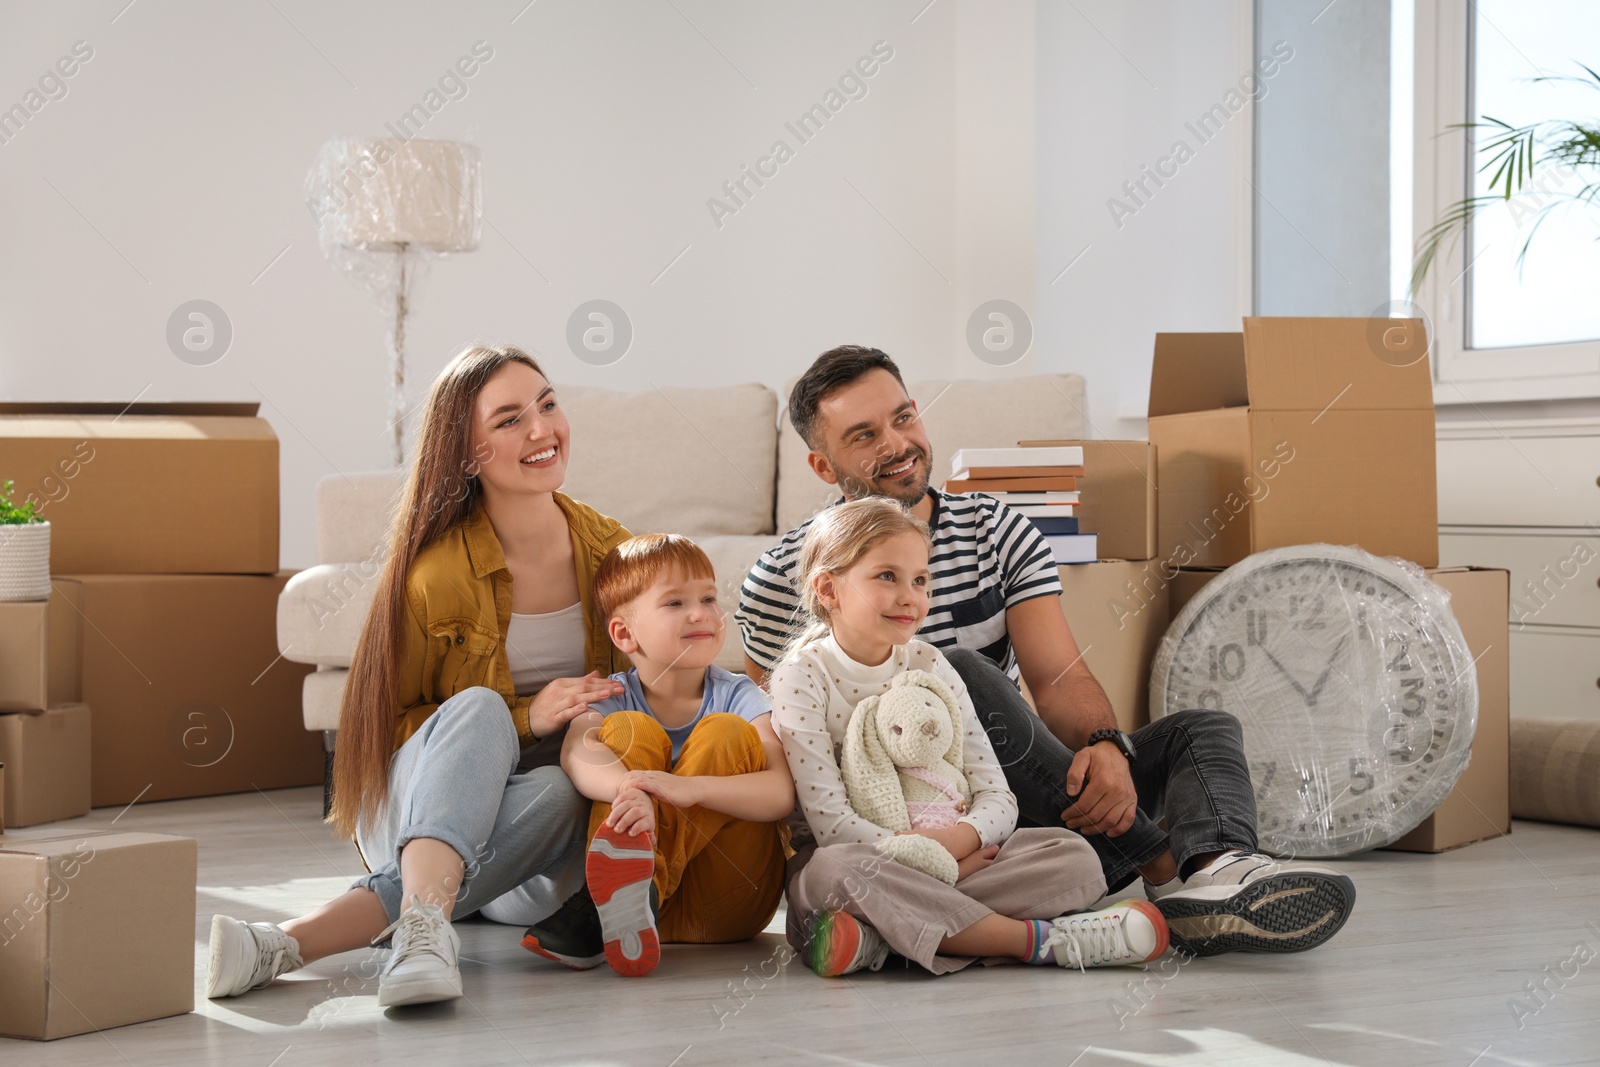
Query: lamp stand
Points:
[397, 357]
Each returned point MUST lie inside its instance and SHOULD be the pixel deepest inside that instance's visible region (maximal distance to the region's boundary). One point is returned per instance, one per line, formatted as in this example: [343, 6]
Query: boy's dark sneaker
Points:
[621, 871]
[571, 935]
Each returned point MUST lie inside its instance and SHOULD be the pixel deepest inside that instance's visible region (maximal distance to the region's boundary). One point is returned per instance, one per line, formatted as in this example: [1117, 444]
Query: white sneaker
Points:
[422, 965]
[1129, 932]
[841, 944]
[246, 956]
[1244, 901]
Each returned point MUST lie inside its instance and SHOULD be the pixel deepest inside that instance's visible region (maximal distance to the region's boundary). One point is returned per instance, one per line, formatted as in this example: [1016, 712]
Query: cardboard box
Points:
[2, 796]
[148, 488]
[1480, 804]
[97, 931]
[24, 655]
[1293, 432]
[1117, 610]
[1117, 497]
[190, 695]
[47, 756]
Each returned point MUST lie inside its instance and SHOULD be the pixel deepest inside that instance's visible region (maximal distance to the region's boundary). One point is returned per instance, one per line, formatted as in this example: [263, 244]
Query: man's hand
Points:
[564, 699]
[1108, 803]
[677, 790]
[960, 840]
[632, 812]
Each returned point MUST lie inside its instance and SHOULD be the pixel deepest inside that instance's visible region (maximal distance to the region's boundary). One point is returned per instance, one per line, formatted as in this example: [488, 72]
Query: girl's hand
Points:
[977, 861]
[632, 812]
[564, 699]
[665, 786]
[960, 840]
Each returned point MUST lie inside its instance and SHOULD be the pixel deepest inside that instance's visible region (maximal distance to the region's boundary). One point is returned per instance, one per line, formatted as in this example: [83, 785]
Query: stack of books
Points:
[1040, 483]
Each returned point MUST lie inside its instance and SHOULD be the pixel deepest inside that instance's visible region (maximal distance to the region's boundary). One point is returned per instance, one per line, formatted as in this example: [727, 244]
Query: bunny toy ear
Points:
[942, 689]
[870, 783]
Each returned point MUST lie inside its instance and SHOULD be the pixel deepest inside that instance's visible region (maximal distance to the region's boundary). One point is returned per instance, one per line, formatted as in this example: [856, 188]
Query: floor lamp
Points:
[384, 206]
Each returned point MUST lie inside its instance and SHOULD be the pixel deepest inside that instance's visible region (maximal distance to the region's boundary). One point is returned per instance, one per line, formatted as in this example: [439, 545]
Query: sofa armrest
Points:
[321, 611]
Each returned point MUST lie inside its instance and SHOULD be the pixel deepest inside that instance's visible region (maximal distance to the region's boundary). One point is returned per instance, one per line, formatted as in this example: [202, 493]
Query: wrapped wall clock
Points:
[1353, 684]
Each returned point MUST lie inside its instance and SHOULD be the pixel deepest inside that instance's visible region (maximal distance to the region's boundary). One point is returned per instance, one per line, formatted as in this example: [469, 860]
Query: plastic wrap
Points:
[1353, 684]
[382, 206]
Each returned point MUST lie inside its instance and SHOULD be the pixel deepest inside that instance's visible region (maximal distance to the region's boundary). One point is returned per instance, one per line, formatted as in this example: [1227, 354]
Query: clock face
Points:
[1353, 684]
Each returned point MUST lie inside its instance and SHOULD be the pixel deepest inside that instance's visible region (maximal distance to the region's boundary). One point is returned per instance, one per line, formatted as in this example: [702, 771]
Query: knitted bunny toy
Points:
[902, 768]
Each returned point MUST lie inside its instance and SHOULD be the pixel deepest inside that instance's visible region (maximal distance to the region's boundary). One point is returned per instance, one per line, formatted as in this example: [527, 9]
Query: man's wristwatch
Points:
[1120, 739]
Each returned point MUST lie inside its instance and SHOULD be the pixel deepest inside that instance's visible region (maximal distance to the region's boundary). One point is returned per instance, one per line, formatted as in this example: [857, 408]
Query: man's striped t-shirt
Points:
[986, 558]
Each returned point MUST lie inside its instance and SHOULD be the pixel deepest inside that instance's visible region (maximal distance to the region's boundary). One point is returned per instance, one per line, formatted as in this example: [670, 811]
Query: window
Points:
[1504, 330]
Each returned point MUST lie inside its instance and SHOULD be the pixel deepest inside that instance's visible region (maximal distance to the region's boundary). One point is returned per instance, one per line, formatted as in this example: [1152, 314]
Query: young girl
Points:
[482, 642]
[863, 580]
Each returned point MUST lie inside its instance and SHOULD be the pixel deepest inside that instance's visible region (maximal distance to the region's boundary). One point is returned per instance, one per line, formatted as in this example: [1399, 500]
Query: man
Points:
[995, 613]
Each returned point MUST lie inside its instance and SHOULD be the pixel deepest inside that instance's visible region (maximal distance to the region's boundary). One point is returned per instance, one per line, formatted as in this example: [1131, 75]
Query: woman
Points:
[481, 644]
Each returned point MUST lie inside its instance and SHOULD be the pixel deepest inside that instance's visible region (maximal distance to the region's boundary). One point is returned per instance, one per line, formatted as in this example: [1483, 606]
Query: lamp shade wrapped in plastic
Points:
[388, 195]
[1351, 680]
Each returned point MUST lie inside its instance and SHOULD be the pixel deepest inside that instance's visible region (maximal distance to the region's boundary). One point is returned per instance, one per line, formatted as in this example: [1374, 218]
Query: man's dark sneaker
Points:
[1244, 901]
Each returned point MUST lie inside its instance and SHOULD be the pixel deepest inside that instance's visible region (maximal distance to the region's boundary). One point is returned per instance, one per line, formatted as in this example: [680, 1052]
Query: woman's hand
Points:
[632, 812]
[977, 861]
[564, 699]
[960, 840]
[665, 786]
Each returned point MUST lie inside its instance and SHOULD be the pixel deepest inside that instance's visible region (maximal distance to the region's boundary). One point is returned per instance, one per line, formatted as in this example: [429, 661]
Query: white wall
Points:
[1116, 85]
[975, 167]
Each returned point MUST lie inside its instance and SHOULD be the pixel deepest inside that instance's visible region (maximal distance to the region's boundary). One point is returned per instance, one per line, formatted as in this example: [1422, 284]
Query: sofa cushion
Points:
[732, 558]
[963, 413]
[353, 513]
[698, 462]
[322, 609]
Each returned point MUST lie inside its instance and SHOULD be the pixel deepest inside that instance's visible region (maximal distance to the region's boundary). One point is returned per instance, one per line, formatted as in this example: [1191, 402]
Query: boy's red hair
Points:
[639, 562]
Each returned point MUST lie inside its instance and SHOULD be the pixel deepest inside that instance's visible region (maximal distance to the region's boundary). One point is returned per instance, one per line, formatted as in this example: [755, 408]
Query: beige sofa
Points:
[717, 464]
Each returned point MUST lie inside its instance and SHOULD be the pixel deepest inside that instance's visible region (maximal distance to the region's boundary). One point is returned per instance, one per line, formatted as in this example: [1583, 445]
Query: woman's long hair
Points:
[441, 490]
[839, 536]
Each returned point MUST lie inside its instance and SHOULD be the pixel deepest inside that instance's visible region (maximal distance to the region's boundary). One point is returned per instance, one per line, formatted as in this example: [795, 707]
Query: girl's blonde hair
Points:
[836, 541]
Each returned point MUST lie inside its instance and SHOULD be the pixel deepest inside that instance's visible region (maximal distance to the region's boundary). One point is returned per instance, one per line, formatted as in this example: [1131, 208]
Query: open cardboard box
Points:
[1295, 431]
[148, 488]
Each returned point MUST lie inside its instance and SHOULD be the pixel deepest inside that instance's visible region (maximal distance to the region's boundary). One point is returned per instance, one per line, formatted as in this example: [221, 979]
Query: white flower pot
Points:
[25, 561]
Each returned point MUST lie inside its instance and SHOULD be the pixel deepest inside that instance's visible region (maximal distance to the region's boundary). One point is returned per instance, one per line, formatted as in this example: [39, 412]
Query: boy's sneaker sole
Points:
[619, 870]
[1288, 912]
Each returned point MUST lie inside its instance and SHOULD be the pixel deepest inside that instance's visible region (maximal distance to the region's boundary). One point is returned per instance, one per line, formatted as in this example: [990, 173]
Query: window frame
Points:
[1442, 174]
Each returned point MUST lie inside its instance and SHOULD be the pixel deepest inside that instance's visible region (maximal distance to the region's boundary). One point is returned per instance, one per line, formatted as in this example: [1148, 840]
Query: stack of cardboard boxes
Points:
[1295, 431]
[153, 671]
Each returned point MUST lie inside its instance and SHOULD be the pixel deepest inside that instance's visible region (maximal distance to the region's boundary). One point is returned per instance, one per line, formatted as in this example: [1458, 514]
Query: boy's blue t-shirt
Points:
[725, 691]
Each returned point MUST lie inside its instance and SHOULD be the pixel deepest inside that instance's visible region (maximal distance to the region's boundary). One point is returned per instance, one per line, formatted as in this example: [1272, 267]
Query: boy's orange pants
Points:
[719, 878]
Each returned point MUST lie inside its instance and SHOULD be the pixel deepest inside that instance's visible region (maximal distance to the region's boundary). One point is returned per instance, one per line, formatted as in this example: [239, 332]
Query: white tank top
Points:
[545, 646]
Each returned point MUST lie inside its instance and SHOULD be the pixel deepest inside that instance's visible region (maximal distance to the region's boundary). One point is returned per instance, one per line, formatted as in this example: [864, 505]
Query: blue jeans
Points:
[1190, 771]
[521, 836]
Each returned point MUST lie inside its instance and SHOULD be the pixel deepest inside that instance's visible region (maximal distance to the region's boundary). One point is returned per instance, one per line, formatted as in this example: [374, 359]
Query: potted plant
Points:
[24, 550]
[1514, 152]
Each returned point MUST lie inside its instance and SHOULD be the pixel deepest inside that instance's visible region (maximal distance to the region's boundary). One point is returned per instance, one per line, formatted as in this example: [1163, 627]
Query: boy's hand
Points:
[677, 790]
[632, 812]
[564, 699]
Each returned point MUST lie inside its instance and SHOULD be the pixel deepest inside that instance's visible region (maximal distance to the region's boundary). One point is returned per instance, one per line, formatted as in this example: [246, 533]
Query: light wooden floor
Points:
[1426, 972]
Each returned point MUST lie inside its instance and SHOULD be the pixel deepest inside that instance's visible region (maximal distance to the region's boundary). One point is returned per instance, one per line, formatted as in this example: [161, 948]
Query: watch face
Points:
[1351, 680]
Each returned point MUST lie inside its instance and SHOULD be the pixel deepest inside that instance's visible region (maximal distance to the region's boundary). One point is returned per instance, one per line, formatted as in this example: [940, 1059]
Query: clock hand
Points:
[1321, 681]
[1287, 677]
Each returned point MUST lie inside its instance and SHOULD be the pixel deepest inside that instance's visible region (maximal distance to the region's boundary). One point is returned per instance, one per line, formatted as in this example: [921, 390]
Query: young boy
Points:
[689, 780]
